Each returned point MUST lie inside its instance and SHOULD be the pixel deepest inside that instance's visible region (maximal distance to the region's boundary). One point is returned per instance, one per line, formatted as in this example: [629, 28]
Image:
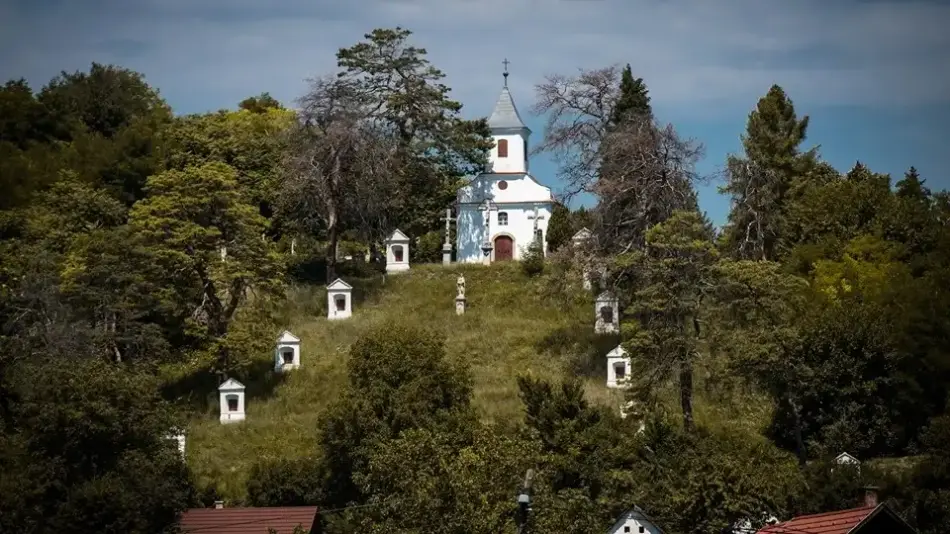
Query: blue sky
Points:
[873, 75]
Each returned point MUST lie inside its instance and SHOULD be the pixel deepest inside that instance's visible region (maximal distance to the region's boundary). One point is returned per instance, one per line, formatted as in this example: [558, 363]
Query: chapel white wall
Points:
[516, 161]
[520, 227]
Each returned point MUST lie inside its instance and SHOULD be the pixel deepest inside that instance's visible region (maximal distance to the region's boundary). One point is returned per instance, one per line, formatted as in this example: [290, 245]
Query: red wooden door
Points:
[504, 248]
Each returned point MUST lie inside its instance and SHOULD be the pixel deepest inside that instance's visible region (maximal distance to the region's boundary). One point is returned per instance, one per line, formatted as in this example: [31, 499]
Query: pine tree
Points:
[559, 229]
[634, 100]
[760, 183]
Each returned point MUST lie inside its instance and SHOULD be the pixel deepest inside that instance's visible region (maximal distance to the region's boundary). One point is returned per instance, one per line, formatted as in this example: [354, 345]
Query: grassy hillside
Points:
[508, 329]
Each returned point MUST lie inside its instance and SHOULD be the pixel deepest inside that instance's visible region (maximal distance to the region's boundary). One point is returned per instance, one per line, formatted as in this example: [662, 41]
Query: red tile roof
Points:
[246, 520]
[840, 522]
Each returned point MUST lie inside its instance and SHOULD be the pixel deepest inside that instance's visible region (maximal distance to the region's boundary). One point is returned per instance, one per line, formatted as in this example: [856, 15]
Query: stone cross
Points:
[536, 217]
[448, 224]
[487, 246]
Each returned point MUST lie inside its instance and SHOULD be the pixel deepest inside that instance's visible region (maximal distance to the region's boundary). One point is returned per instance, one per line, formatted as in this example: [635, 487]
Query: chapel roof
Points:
[840, 522]
[505, 115]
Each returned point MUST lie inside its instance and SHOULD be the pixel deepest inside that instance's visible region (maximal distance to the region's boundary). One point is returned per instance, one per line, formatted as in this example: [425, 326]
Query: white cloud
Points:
[696, 56]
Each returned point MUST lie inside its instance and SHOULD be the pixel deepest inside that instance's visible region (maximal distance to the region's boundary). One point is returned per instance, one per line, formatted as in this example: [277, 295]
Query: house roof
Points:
[287, 337]
[639, 515]
[606, 295]
[398, 236]
[246, 520]
[339, 285]
[581, 234]
[505, 115]
[840, 522]
[231, 385]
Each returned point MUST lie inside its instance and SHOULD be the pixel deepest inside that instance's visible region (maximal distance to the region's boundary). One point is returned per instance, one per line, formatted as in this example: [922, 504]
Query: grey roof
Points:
[505, 115]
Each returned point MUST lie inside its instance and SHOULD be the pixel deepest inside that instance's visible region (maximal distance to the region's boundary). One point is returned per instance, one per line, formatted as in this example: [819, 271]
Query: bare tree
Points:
[754, 219]
[578, 109]
[341, 170]
[647, 173]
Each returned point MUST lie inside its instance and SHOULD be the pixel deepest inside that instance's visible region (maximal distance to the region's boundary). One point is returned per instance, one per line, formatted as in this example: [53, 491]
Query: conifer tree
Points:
[633, 101]
[760, 182]
[559, 229]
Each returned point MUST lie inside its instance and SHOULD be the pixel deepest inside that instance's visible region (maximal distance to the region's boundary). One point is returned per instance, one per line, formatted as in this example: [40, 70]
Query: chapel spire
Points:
[505, 116]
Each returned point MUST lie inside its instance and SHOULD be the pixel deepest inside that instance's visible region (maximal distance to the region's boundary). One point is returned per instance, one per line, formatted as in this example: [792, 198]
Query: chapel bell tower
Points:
[510, 154]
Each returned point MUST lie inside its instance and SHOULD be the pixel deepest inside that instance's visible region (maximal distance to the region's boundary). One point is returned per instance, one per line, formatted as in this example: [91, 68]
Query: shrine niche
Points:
[286, 352]
[231, 401]
[606, 314]
[397, 252]
[339, 300]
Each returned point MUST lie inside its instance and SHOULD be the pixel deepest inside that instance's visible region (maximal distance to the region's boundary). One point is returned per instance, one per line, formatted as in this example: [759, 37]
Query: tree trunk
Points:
[801, 451]
[686, 394]
[334, 237]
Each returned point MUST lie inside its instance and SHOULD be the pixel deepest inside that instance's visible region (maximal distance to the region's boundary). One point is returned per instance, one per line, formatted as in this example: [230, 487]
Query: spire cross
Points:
[505, 74]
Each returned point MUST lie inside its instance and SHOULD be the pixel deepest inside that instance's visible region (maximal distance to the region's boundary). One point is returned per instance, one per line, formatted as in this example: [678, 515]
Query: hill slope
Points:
[506, 330]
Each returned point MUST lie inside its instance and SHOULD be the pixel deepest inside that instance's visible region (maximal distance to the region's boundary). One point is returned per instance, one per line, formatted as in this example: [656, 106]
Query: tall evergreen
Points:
[634, 100]
[760, 183]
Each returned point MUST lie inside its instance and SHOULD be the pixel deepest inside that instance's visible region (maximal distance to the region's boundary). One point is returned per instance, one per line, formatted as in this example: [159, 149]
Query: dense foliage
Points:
[144, 258]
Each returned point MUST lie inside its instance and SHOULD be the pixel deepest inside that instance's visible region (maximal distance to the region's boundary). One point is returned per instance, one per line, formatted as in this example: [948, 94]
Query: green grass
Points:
[507, 329]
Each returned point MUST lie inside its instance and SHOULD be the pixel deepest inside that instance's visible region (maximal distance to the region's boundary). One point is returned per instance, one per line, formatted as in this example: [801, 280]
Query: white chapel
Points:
[502, 210]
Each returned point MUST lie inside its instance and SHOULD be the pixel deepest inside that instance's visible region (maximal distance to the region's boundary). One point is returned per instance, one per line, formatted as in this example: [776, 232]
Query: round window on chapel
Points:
[502, 185]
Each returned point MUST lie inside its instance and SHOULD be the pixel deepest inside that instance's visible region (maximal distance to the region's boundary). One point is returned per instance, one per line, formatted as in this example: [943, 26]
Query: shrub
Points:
[533, 262]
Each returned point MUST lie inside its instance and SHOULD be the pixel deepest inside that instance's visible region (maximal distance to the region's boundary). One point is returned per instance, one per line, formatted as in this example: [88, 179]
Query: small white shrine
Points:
[581, 237]
[618, 367]
[606, 314]
[397, 252]
[846, 459]
[339, 300]
[231, 401]
[287, 352]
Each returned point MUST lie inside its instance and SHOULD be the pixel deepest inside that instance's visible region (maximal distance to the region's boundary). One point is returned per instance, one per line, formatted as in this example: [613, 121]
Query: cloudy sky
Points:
[874, 75]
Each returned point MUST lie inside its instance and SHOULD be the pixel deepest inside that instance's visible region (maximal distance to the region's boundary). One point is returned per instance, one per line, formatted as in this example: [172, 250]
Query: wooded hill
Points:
[145, 258]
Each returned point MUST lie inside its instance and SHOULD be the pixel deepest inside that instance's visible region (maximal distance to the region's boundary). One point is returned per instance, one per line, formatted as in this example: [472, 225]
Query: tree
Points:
[251, 141]
[112, 117]
[261, 103]
[560, 231]
[204, 243]
[399, 379]
[404, 94]
[342, 168]
[671, 277]
[633, 103]
[648, 174]
[578, 110]
[87, 451]
[761, 182]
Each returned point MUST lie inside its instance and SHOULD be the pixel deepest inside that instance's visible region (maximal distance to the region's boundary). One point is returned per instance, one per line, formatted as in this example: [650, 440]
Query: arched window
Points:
[526, 150]
[502, 148]
[232, 403]
[397, 253]
[502, 218]
[607, 314]
[288, 356]
[340, 301]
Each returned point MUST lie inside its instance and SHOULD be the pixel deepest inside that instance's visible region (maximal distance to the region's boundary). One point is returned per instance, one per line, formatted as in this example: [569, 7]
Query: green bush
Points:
[428, 248]
[533, 261]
